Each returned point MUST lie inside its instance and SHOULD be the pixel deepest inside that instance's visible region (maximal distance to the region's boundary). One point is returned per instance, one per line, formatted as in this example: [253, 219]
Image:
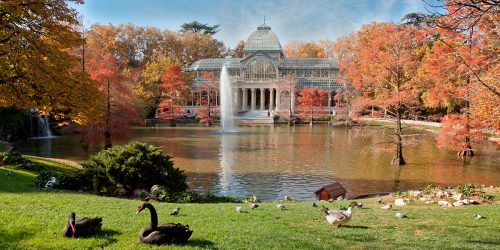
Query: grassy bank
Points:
[34, 218]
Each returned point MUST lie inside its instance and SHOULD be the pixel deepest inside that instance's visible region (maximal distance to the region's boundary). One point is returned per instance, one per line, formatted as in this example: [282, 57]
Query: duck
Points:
[253, 205]
[280, 207]
[175, 211]
[337, 217]
[477, 216]
[169, 233]
[240, 210]
[84, 227]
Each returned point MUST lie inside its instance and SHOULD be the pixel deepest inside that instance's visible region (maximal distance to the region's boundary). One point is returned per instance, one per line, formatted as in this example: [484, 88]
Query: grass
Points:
[33, 219]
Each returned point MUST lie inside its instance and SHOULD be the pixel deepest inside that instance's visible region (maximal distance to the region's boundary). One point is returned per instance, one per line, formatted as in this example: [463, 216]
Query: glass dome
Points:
[263, 39]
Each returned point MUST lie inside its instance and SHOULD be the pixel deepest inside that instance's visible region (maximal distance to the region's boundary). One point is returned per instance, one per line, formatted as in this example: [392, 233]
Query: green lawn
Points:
[33, 218]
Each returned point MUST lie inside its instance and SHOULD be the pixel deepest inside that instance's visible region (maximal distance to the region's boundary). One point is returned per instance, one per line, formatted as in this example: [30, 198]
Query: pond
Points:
[276, 161]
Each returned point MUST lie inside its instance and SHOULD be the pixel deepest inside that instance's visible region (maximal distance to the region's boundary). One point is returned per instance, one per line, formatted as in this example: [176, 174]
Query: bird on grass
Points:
[379, 201]
[338, 217]
[281, 207]
[240, 210]
[175, 211]
[314, 205]
[477, 216]
[330, 200]
[340, 198]
[169, 233]
[254, 198]
[342, 208]
[252, 205]
[84, 227]
[401, 215]
[358, 204]
[9, 173]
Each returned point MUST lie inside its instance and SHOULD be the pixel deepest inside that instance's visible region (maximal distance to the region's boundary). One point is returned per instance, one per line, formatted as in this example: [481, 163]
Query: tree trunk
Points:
[398, 158]
[107, 133]
[312, 115]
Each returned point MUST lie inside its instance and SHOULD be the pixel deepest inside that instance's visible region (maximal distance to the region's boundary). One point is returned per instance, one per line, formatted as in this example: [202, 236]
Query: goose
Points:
[358, 204]
[175, 211]
[336, 217]
[83, 227]
[281, 207]
[387, 206]
[170, 233]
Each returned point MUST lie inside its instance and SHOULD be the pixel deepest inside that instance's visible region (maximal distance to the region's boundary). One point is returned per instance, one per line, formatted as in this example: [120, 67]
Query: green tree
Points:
[197, 27]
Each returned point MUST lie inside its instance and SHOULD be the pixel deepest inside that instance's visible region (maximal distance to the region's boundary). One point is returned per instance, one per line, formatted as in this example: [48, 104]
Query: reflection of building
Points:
[264, 79]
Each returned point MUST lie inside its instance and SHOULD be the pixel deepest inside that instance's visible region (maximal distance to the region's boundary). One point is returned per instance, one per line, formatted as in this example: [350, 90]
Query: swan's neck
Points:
[154, 216]
[349, 211]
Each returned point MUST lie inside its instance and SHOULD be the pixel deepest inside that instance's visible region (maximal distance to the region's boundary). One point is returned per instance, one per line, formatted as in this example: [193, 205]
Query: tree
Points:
[303, 49]
[237, 52]
[197, 27]
[120, 112]
[388, 57]
[37, 68]
[210, 88]
[173, 85]
[464, 67]
[309, 98]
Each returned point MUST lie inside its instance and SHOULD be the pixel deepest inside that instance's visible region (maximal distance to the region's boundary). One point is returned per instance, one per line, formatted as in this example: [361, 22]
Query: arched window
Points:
[260, 68]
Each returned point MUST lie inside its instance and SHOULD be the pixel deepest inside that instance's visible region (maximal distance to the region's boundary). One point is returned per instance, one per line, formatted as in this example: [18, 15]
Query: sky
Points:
[307, 20]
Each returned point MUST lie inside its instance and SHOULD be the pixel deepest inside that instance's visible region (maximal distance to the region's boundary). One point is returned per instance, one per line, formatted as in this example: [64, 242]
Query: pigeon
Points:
[342, 208]
[9, 173]
[314, 204]
[281, 207]
[357, 204]
[401, 215]
[175, 211]
[253, 205]
[379, 201]
[330, 200]
[477, 216]
[240, 210]
[387, 206]
[340, 198]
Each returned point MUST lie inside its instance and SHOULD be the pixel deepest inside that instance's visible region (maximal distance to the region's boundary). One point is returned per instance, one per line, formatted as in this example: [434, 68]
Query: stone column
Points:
[271, 98]
[237, 99]
[278, 102]
[262, 98]
[244, 105]
[252, 99]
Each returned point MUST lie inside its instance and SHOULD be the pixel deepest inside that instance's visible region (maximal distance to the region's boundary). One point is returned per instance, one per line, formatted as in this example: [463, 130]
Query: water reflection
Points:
[274, 161]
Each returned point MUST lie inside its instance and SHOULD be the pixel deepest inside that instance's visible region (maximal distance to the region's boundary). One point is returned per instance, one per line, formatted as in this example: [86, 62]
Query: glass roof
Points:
[262, 39]
[284, 63]
[298, 63]
[216, 64]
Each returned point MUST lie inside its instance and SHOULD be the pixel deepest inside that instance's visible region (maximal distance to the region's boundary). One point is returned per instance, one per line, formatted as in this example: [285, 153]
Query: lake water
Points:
[274, 161]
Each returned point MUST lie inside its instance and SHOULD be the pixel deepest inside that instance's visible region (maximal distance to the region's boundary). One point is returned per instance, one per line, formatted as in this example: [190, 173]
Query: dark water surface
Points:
[274, 161]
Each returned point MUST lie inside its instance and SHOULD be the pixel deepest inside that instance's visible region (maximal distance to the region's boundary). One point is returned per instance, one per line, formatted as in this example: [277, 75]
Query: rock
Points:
[442, 194]
[120, 190]
[400, 202]
[458, 197]
[140, 193]
[444, 203]
[415, 193]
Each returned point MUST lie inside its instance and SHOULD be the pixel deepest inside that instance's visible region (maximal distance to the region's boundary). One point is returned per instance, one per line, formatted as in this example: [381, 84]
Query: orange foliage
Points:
[309, 98]
[301, 49]
[209, 87]
[456, 131]
[173, 86]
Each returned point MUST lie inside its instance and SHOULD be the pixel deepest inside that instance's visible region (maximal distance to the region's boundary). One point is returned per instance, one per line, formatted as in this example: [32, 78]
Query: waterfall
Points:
[226, 102]
[40, 125]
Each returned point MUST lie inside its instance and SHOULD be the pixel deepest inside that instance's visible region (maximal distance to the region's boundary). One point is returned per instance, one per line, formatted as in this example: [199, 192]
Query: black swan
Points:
[162, 234]
[82, 228]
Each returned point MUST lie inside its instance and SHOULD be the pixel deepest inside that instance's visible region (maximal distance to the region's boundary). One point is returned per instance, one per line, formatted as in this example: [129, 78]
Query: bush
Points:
[134, 166]
[14, 158]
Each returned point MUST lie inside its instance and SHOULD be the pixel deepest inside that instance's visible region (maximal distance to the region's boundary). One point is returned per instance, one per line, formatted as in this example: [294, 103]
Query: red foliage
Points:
[173, 87]
[457, 133]
[209, 88]
[310, 98]
[120, 113]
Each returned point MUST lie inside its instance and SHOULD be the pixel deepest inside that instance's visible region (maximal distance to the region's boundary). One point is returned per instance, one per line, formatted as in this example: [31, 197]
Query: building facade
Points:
[264, 79]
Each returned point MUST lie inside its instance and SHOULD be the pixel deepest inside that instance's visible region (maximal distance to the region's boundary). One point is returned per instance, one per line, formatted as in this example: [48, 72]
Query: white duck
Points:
[337, 217]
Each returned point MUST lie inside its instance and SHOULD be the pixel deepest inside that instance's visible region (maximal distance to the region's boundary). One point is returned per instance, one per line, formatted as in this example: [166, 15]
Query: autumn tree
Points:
[173, 84]
[309, 98]
[464, 68]
[388, 57]
[237, 52]
[209, 88]
[120, 112]
[197, 27]
[302, 49]
[37, 69]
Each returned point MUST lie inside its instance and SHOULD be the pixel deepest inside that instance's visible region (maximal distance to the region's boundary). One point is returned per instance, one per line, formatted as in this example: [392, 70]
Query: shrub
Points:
[73, 181]
[135, 166]
[14, 158]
